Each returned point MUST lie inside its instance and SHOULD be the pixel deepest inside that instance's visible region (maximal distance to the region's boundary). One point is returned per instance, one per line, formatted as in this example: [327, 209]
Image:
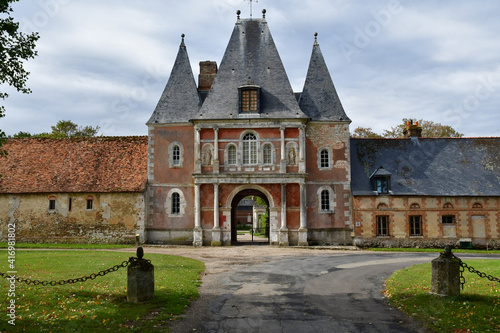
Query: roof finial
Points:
[251, 6]
[182, 42]
[263, 13]
[316, 38]
[238, 12]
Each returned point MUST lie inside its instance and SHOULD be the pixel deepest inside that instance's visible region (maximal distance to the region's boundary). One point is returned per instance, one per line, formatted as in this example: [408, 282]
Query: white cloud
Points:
[106, 63]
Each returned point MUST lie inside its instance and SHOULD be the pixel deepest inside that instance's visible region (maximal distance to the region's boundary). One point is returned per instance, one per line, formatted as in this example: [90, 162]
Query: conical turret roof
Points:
[180, 100]
[251, 59]
[319, 99]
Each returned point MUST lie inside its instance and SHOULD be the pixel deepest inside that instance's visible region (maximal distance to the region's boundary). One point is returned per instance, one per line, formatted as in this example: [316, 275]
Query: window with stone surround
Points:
[231, 155]
[325, 199]
[325, 155]
[448, 219]
[267, 154]
[175, 204]
[175, 155]
[249, 146]
[383, 225]
[416, 225]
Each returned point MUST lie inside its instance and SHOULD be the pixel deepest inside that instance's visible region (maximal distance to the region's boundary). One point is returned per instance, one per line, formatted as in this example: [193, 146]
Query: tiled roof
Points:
[180, 100]
[429, 166]
[102, 164]
[251, 57]
[319, 99]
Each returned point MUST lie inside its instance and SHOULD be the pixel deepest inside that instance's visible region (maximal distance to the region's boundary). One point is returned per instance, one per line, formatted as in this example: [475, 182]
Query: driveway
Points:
[273, 289]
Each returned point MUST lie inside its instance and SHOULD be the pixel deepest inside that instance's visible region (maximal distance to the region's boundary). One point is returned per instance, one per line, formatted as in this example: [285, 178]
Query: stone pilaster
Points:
[303, 217]
[283, 233]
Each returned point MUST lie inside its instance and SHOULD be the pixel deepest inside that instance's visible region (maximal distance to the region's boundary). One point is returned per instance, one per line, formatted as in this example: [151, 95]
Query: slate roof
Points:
[180, 100]
[251, 55]
[429, 166]
[97, 165]
[319, 99]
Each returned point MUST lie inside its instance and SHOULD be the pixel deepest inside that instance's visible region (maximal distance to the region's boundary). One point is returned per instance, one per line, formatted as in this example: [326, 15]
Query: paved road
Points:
[271, 289]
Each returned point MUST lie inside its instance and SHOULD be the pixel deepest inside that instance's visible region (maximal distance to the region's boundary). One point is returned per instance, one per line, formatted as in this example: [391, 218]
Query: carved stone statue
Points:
[207, 157]
[292, 156]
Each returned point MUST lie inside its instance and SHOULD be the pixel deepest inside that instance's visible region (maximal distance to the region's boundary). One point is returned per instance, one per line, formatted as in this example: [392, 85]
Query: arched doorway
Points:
[242, 194]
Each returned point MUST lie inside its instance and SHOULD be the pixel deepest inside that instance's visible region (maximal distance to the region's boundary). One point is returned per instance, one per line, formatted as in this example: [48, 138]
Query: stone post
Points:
[446, 274]
[140, 279]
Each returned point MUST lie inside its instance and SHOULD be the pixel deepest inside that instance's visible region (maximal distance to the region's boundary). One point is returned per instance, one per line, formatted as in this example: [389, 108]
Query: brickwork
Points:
[469, 222]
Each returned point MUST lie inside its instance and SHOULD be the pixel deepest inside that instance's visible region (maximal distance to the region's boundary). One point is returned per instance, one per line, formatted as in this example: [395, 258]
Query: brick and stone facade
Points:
[247, 133]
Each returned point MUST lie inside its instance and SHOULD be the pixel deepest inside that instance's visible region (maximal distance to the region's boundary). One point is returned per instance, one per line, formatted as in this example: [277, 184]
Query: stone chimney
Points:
[208, 71]
[412, 130]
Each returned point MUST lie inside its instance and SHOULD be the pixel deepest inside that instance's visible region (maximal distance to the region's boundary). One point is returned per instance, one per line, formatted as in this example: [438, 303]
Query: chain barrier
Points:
[93, 276]
[471, 269]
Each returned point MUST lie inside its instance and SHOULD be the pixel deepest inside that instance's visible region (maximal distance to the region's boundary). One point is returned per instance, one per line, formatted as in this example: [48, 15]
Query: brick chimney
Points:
[412, 130]
[208, 71]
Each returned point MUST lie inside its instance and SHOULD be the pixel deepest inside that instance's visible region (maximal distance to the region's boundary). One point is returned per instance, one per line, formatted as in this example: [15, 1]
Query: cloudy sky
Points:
[105, 63]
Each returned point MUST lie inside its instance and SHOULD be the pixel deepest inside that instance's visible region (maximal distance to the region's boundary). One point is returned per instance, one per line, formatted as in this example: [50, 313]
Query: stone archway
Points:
[237, 195]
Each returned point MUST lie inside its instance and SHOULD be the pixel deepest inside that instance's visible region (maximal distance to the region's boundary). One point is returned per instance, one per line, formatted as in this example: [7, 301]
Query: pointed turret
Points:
[319, 99]
[251, 61]
[180, 100]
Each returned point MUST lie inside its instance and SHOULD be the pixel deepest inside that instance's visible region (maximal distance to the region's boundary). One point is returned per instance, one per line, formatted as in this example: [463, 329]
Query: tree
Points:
[430, 129]
[364, 132]
[63, 129]
[15, 47]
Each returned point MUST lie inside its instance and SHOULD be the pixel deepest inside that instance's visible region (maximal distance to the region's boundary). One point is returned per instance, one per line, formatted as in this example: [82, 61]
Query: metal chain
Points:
[92, 276]
[471, 269]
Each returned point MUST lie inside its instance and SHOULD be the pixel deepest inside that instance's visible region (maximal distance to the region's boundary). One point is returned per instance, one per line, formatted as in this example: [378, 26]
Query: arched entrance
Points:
[242, 193]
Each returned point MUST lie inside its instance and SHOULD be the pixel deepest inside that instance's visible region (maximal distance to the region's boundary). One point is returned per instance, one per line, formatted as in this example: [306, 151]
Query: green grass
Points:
[4, 245]
[96, 305]
[477, 308]
[412, 249]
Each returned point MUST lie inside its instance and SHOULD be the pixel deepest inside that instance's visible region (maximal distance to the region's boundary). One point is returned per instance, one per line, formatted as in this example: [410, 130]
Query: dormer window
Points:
[381, 181]
[249, 98]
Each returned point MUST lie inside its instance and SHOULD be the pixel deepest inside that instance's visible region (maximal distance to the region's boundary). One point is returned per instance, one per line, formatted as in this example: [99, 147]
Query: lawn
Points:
[4, 245]
[477, 309]
[96, 305]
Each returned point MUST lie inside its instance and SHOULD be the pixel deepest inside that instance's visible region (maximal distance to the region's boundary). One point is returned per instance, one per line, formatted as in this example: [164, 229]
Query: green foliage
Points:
[68, 129]
[15, 47]
[476, 310]
[4, 245]
[364, 132]
[97, 305]
[22, 135]
[63, 129]
[430, 129]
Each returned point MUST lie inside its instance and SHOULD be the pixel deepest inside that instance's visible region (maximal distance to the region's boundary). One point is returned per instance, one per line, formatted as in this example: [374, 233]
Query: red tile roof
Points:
[102, 164]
